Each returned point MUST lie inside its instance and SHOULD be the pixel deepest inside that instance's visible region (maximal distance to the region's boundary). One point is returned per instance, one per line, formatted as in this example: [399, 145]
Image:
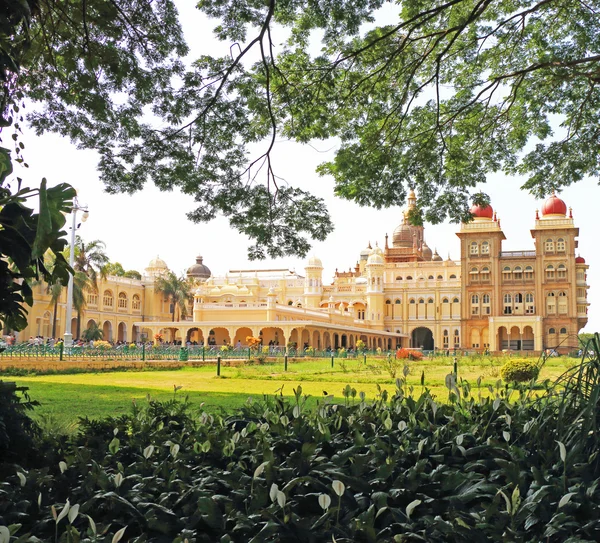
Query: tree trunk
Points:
[54, 319]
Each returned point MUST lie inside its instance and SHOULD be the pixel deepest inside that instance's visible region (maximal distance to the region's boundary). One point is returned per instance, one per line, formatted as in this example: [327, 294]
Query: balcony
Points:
[517, 254]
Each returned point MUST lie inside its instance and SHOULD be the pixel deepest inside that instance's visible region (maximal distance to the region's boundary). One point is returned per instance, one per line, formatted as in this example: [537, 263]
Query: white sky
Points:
[139, 227]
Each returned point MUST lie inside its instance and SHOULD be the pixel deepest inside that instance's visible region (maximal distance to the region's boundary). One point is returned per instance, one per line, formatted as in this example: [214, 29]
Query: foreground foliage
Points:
[397, 469]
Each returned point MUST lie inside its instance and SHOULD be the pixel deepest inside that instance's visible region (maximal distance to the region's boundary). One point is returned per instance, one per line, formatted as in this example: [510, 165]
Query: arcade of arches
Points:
[278, 334]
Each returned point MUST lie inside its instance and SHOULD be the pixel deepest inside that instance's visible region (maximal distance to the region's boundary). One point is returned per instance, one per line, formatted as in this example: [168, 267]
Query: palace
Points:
[401, 294]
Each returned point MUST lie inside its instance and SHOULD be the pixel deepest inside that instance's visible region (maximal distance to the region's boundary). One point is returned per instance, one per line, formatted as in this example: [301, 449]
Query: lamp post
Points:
[76, 207]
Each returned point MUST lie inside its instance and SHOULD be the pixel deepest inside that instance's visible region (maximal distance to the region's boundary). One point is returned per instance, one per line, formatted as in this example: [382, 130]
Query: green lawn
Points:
[66, 397]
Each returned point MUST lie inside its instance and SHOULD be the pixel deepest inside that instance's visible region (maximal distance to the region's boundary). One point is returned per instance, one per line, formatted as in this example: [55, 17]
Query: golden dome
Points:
[158, 263]
[314, 262]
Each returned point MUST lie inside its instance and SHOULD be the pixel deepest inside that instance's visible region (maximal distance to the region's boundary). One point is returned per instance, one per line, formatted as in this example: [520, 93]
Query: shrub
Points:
[407, 354]
[102, 345]
[17, 430]
[520, 371]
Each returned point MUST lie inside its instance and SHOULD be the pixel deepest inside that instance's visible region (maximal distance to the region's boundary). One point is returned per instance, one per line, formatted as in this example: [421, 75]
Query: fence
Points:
[170, 352]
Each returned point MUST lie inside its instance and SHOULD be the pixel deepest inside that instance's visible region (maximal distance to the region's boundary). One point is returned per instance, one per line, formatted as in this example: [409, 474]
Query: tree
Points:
[116, 268]
[444, 94]
[25, 235]
[177, 290]
[91, 259]
[92, 333]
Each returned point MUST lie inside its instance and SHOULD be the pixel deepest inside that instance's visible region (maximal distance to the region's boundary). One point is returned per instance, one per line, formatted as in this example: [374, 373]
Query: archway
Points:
[122, 332]
[107, 331]
[240, 336]
[316, 340]
[272, 337]
[219, 336]
[195, 336]
[515, 338]
[528, 339]
[502, 338]
[422, 338]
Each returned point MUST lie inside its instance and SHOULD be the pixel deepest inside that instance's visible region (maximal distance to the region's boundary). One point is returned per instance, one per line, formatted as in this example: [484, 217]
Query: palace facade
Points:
[401, 294]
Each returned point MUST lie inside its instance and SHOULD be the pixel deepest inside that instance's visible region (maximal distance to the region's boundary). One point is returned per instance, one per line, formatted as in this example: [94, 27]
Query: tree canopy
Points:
[434, 97]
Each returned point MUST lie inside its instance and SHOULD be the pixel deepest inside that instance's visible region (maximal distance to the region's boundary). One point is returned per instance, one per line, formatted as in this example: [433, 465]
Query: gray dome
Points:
[199, 270]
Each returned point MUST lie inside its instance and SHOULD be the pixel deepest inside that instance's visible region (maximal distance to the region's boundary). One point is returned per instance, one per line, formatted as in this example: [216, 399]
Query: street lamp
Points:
[76, 207]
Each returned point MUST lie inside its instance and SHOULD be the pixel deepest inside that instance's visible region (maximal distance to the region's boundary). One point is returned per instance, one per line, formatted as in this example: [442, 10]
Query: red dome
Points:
[483, 212]
[580, 260]
[554, 206]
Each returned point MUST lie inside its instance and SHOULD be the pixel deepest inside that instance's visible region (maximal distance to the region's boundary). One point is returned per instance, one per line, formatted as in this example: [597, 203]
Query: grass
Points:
[66, 397]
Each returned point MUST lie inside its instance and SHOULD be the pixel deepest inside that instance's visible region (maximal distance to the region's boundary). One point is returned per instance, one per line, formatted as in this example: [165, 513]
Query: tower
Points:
[481, 294]
[561, 290]
[375, 268]
[313, 284]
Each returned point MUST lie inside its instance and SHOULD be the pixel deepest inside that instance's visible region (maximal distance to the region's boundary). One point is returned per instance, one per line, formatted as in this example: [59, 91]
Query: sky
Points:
[139, 227]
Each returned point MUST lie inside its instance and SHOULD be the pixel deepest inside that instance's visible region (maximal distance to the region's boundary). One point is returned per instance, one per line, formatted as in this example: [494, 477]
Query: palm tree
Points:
[91, 259]
[81, 283]
[92, 333]
[177, 290]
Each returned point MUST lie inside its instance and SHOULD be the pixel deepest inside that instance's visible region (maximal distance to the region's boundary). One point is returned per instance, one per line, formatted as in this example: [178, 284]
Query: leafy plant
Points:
[397, 468]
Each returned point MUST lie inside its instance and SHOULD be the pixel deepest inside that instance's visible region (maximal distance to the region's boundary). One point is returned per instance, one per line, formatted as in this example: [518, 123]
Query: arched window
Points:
[107, 298]
[453, 276]
[445, 301]
[563, 330]
[430, 301]
[474, 273]
[485, 301]
[409, 277]
[399, 278]
[506, 273]
[398, 301]
[290, 302]
[430, 277]
[474, 248]
[561, 246]
[552, 331]
[507, 304]
[550, 303]
[92, 298]
[485, 274]
[412, 301]
[550, 272]
[455, 301]
[528, 273]
[485, 248]
[529, 306]
[446, 339]
[440, 278]
[135, 303]
[122, 300]
[518, 272]
[549, 245]
[518, 298]
[421, 301]
[456, 339]
[475, 304]
[563, 306]
[475, 299]
[561, 272]
[388, 302]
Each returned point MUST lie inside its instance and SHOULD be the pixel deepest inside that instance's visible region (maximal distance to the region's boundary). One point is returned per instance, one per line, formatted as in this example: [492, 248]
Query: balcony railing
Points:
[517, 254]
